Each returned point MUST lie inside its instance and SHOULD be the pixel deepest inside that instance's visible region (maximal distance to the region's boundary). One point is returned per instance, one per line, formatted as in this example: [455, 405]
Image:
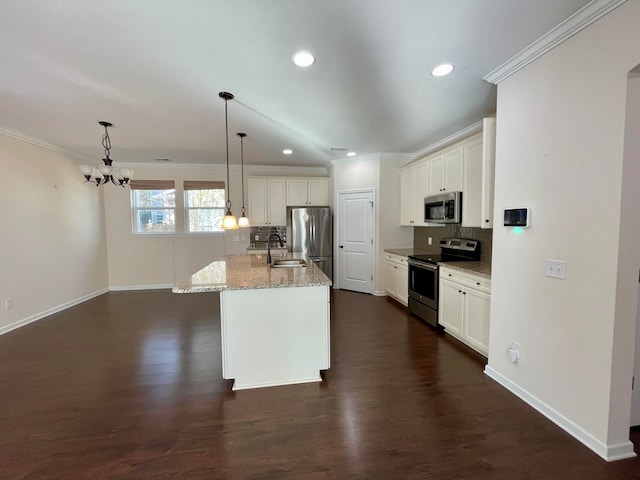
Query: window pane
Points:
[206, 220]
[155, 221]
[206, 198]
[154, 198]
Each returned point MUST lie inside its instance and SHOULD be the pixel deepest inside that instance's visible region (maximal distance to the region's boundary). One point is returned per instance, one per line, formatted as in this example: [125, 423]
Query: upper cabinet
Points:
[466, 166]
[307, 191]
[479, 154]
[488, 169]
[267, 204]
[445, 172]
[269, 197]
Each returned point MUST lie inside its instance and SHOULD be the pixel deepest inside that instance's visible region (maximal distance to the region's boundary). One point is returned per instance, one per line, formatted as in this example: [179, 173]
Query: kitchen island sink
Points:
[289, 263]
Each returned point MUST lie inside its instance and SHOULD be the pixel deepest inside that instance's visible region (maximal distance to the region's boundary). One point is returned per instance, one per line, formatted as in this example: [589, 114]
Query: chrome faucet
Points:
[269, 246]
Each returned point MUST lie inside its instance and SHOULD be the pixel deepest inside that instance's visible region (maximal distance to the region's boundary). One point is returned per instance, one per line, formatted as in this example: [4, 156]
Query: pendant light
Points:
[243, 221]
[229, 221]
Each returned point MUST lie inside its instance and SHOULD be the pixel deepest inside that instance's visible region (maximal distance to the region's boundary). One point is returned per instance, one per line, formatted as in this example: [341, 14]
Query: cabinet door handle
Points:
[449, 274]
[486, 221]
[477, 283]
[459, 291]
[464, 293]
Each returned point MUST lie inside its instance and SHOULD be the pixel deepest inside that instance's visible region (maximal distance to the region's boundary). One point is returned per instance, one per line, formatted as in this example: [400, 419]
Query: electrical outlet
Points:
[8, 303]
[513, 352]
[430, 240]
[555, 268]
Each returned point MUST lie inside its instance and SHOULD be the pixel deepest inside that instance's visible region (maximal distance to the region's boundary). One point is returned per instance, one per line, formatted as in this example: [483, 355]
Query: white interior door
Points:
[355, 241]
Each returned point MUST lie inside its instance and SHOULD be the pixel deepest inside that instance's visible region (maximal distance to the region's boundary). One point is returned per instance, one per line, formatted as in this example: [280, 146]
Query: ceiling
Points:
[154, 68]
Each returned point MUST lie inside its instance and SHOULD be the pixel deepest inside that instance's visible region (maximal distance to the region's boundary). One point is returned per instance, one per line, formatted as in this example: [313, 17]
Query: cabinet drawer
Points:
[477, 282]
[399, 259]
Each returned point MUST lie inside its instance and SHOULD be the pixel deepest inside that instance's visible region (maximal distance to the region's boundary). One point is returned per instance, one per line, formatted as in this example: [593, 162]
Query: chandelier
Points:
[106, 173]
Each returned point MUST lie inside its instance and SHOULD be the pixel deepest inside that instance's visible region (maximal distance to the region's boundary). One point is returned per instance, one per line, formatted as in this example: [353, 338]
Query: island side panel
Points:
[275, 336]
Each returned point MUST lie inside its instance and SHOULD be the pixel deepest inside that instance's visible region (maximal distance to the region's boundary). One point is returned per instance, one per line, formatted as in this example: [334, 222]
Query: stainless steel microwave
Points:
[443, 208]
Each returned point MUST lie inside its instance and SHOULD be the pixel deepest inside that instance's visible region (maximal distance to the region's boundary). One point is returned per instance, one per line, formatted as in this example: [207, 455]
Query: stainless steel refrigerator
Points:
[309, 230]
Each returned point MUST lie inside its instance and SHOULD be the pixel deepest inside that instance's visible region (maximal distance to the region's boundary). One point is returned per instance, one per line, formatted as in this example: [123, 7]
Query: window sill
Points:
[181, 235]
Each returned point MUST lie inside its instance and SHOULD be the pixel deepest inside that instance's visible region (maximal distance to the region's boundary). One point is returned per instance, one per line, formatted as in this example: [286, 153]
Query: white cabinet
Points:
[479, 162]
[472, 191]
[488, 168]
[267, 204]
[467, 166]
[307, 191]
[446, 171]
[414, 186]
[397, 277]
[407, 180]
[464, 307]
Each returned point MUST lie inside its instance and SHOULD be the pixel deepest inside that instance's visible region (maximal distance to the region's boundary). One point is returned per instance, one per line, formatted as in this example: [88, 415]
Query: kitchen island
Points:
[274, 321]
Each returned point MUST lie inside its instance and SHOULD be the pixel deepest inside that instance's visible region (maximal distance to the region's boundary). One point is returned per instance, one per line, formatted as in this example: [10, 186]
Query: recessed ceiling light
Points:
[303, 59]
[287, 151]
[351, 154]
[442, 70]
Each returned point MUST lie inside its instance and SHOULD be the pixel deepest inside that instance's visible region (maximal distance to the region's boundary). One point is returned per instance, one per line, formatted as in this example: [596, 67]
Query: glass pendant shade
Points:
[229, 221]
[243, 221]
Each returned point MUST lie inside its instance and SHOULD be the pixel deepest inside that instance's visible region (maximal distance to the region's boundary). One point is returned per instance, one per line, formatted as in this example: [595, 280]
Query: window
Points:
[153, 205]
[204, 203]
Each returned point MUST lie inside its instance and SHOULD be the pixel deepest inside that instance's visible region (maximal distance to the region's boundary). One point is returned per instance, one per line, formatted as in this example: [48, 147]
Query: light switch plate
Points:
[555, 268]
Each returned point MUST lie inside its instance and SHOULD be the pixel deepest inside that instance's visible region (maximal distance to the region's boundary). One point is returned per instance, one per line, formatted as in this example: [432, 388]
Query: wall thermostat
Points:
[517, 217]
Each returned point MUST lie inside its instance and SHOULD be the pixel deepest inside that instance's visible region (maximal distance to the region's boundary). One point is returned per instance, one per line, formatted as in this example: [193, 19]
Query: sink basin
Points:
[288, 263]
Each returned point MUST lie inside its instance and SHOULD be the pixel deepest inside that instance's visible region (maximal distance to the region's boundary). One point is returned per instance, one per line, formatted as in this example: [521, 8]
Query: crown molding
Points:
[359, 158]
[451, 139]
[580, 20]
[38, 142]
[267, 169]
[397, 156]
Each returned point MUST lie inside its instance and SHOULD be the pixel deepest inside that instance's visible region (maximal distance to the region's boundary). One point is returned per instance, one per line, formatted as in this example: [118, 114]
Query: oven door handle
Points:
[423, 265]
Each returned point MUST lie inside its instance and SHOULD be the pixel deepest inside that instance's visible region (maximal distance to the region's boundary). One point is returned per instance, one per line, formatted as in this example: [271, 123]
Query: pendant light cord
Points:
[242, 168]
[226, 130]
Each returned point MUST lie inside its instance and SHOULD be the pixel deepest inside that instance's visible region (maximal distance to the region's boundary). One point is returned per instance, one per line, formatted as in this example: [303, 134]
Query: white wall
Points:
[52, 247]
[381, 174]
[137, 261]
[630, 252]
[560, 132]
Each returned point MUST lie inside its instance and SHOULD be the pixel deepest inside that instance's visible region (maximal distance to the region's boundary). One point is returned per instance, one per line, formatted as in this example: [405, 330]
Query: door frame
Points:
[336, 236]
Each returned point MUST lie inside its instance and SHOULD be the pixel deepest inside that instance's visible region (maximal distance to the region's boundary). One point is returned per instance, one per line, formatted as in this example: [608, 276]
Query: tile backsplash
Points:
[259, 236]
[485, 235]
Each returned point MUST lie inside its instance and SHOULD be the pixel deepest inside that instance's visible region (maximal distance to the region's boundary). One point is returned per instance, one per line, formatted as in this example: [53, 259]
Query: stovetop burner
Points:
[452, 250]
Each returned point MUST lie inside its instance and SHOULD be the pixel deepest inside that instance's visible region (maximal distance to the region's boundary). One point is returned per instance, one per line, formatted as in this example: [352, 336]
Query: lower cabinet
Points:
[465, 301]
[397, 277]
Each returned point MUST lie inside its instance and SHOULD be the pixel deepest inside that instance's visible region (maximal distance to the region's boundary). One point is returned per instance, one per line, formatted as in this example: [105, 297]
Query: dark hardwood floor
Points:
[128, 386]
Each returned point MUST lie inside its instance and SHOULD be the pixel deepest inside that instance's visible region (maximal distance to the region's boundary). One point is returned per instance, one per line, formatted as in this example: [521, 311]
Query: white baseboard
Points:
[379, 293]
[123, 288]
[50, 311]
[609, 452]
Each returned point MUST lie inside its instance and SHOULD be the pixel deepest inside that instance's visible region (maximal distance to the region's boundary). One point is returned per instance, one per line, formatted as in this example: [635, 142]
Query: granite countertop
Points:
[246, 272]
[405, 252]
[482, 269]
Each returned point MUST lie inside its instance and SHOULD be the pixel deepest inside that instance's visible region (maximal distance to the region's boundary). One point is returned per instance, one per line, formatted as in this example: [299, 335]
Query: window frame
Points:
[159, 185]
[193, 185]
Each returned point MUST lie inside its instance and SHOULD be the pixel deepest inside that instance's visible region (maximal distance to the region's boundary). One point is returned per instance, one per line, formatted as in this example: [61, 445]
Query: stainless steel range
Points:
[424, 275]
